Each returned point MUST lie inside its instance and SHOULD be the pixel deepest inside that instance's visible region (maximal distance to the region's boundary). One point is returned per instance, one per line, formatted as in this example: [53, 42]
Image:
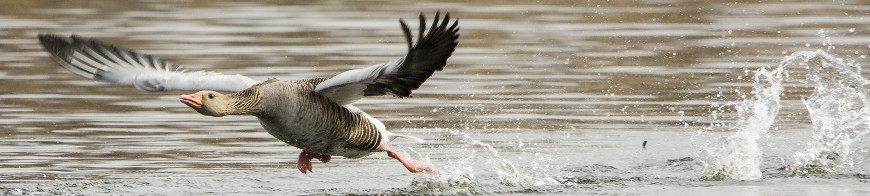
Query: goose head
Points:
[209, 103]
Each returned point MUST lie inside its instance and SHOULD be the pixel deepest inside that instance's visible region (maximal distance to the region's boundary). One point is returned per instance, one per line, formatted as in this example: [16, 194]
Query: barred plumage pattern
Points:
[301, 121]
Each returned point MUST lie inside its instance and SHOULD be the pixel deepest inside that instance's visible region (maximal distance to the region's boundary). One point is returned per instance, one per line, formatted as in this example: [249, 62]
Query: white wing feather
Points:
[99, 61]
[348, 87]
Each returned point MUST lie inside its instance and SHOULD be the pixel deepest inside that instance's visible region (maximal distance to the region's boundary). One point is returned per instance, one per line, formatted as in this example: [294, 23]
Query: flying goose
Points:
[314, 115]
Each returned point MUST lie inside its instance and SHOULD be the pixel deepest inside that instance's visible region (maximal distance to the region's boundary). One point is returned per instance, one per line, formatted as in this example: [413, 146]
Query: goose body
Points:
[315, 115]
[343, 132]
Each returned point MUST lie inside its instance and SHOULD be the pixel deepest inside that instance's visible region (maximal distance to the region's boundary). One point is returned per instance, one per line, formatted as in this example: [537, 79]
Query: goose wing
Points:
[401, 76]
[98, 61]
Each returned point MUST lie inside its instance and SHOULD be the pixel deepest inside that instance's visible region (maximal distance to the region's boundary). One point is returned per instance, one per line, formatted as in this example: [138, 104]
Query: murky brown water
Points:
[552, 97]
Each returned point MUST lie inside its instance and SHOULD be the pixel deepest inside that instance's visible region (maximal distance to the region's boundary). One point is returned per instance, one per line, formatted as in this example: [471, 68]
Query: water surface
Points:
[539, 97]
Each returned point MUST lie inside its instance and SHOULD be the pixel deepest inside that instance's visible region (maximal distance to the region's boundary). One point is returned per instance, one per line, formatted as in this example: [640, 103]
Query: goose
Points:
[315, 115]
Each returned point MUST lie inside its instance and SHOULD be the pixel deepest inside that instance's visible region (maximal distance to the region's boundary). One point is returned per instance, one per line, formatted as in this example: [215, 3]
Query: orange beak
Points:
[192, 100]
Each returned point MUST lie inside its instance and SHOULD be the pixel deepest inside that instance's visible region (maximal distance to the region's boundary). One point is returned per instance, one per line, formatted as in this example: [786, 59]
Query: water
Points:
[732, 98]
[839, 111]
[836, 109]
[738, 156]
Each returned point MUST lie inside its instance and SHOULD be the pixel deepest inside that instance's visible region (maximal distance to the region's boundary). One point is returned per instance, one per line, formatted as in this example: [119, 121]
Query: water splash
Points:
[738, 157]
[840, 112]
[458, 176]
[453, 178]
[838, 108]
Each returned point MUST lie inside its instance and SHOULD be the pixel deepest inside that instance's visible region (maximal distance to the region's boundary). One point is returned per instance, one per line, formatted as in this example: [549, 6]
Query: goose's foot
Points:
[414, 166]
[304, 163]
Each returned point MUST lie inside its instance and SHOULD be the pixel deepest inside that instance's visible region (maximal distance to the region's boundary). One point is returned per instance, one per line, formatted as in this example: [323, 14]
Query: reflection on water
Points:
[535, 95]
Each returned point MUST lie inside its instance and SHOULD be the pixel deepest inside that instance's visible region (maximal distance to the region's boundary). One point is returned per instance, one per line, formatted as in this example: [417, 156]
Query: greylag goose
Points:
[314, 115]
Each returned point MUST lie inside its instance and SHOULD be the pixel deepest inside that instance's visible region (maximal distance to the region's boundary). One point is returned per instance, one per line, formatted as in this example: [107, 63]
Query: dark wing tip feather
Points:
[89, 58]
[55, 45]
[407, 32]
[445, 20]
[422, 28]
[61, 50]
[427, 55]
[434, 23]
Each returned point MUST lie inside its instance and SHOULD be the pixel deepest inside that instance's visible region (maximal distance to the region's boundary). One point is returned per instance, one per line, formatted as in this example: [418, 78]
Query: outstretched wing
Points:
[398, 77]
[95, 60]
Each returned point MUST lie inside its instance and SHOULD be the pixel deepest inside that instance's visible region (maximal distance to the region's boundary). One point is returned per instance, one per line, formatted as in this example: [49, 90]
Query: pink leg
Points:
[304, 163]
[414, 166]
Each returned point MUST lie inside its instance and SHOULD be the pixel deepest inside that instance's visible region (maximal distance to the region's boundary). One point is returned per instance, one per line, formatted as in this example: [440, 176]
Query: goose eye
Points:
[211, 95]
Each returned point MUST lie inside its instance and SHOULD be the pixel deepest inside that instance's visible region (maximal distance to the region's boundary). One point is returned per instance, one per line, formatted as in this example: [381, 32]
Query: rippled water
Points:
[543, 97]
